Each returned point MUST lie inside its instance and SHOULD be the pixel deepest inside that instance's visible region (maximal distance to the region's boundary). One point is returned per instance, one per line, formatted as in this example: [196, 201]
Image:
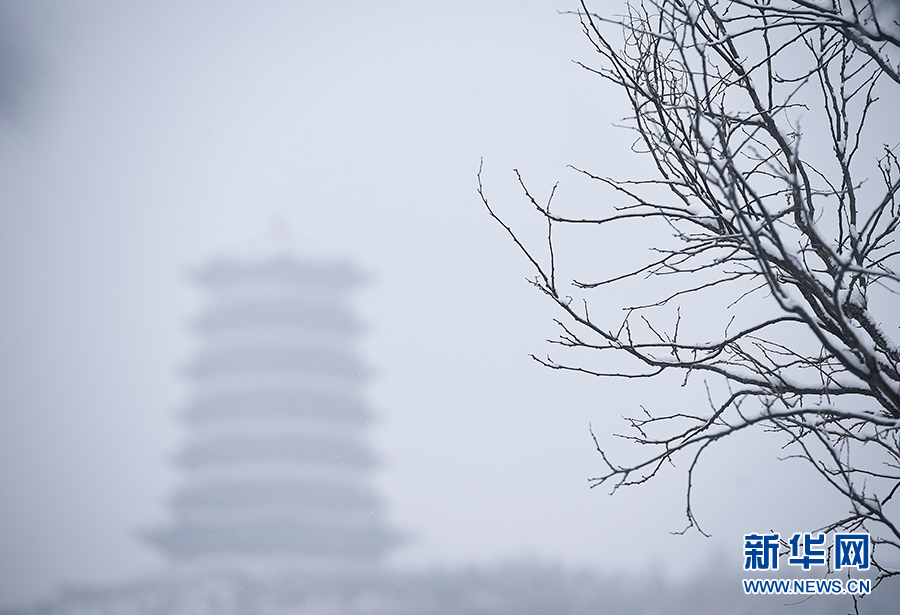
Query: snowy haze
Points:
[149, 137]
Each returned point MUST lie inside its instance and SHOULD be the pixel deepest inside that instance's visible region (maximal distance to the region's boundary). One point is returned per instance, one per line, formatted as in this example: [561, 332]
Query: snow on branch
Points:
[780, 201]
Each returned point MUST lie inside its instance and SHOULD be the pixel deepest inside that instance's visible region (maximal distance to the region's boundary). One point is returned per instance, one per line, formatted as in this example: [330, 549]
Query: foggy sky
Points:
[158, 135]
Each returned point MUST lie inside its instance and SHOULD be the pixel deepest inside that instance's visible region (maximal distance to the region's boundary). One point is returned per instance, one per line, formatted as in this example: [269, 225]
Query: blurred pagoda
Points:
[276, 464]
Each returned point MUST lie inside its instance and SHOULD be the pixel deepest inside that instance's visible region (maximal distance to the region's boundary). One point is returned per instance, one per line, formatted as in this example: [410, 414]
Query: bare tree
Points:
[778, 197]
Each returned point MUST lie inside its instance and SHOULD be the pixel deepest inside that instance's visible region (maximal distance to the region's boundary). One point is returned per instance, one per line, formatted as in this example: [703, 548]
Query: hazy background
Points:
[140, 139]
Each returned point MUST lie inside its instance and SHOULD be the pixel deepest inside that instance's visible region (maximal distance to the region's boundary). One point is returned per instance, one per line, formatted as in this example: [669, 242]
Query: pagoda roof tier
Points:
[304, 493]
[253, 359]
[333, 405]
[284, 536]
[283, 271]
[282, 312]
[342, 451]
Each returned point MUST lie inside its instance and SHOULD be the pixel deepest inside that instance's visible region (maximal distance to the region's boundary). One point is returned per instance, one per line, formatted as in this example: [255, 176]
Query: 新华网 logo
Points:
[807, 550]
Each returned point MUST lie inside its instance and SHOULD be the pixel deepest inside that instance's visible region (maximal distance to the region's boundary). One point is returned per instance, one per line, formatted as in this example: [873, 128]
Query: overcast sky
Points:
[149, 137]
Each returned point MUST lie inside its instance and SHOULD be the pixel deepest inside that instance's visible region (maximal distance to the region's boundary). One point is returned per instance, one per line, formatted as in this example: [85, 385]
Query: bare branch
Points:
[791, 243]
